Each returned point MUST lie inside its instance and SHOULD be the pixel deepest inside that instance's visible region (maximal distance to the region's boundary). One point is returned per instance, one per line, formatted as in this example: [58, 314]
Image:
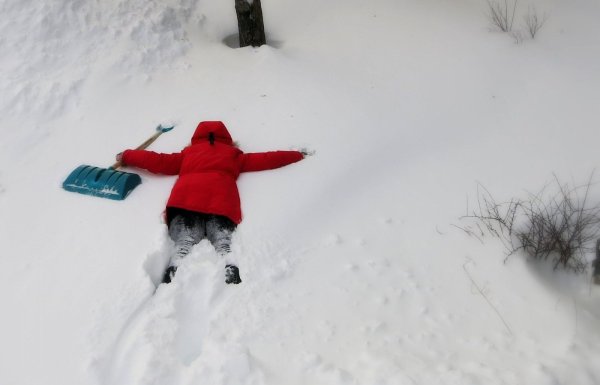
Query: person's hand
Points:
[306, 152]
[119, 157]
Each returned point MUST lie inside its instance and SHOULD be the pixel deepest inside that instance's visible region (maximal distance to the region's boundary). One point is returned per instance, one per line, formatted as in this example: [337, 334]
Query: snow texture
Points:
[353, 272]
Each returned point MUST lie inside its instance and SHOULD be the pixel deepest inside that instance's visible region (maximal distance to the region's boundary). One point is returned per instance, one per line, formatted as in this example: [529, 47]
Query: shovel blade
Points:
[101, 182]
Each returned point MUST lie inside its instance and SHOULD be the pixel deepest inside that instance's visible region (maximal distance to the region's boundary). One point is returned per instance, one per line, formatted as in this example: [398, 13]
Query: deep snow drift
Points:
[353, 271]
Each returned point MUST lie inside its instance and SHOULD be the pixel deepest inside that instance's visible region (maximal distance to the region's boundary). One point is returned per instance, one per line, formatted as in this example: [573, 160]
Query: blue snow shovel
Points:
[108, 182]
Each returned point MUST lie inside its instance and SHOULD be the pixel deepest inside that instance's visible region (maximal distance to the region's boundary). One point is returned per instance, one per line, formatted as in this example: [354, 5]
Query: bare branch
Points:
[502, 14]
[485, 297]
[533, 22]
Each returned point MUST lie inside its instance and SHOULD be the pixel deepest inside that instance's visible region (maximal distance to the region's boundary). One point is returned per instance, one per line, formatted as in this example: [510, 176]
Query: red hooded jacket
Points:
[208, 170]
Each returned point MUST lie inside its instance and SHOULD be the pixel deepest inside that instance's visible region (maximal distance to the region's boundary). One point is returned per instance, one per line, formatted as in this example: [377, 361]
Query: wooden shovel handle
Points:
[142, 146]
[149, 141]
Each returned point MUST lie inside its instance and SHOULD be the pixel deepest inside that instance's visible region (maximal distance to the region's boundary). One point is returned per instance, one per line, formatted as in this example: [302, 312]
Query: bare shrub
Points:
[502, 14]
[561, 226]
[534, 22]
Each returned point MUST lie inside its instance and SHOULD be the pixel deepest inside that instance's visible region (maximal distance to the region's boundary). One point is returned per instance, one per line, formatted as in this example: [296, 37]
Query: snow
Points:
[352, 270]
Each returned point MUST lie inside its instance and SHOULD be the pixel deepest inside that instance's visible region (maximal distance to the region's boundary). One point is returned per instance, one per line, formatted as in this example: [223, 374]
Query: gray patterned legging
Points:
[187, 228]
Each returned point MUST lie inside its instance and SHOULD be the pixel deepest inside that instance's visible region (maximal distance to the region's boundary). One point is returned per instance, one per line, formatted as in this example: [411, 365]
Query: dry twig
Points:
[502, 14]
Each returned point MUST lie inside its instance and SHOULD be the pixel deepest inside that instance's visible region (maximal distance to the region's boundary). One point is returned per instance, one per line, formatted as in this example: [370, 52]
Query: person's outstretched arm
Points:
[158, 163]
[260, 161]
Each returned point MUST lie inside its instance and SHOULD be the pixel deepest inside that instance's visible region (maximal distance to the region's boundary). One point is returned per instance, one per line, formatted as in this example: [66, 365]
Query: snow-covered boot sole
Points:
[169, 274]
[232, 275]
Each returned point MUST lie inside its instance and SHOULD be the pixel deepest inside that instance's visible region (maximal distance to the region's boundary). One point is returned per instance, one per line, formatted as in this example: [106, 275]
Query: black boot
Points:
[232, 274]
[169, 274]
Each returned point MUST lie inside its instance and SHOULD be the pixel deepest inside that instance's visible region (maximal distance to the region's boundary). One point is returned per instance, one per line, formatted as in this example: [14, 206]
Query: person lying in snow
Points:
[204, 202]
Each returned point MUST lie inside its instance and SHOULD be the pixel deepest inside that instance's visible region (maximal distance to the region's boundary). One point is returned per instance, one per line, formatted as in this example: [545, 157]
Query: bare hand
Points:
[306, 152]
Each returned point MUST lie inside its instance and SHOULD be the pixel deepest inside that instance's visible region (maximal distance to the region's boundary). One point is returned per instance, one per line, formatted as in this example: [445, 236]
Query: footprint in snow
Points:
[167, 331]
[201, 285]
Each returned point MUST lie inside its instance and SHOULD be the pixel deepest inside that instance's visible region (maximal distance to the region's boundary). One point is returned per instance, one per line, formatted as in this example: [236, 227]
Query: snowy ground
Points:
[353, 272]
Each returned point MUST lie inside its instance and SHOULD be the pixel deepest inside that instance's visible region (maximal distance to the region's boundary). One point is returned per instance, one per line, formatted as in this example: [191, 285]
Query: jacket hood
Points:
[217, 128]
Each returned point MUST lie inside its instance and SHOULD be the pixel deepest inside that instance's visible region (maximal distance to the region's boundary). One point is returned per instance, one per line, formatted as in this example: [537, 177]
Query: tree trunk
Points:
[250, 23]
